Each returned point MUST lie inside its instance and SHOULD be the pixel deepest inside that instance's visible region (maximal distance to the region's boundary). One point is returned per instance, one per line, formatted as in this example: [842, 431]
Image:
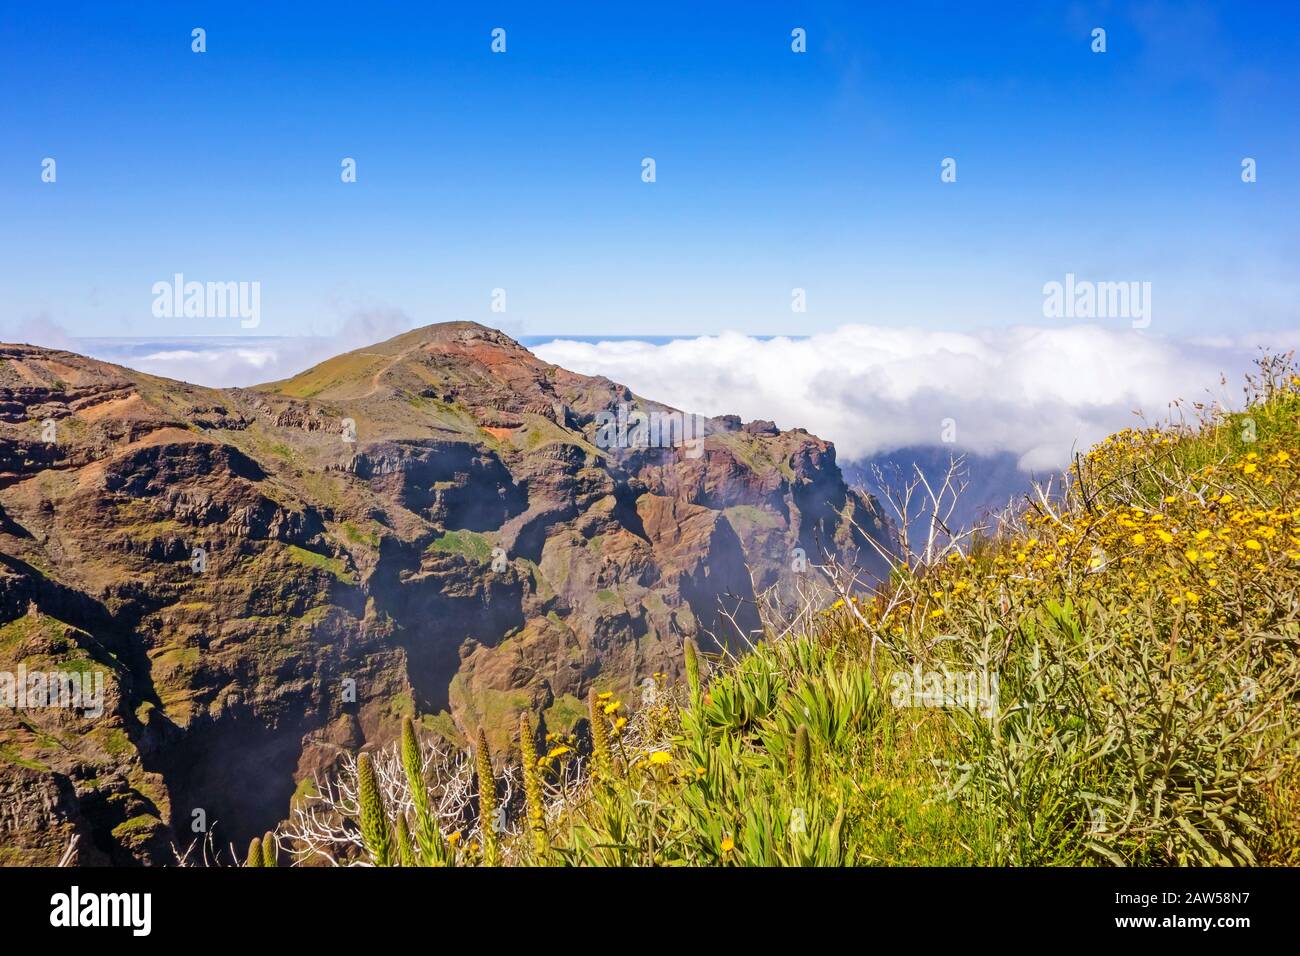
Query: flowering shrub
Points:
[1140, 621]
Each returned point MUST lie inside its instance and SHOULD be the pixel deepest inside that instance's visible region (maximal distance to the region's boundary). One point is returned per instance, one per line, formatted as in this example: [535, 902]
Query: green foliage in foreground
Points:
[1131, 648]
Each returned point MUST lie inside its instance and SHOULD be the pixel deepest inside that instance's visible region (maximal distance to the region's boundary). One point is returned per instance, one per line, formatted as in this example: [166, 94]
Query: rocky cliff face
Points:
[439, 525]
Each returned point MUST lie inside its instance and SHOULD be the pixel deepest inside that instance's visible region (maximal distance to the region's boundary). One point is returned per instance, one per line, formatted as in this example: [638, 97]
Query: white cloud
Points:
[227, 361]
[219, 361]
[215, 364]
[1036, 392]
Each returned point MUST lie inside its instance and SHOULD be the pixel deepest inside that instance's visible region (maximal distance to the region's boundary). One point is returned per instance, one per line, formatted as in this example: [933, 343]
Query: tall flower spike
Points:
[405, 852]
[600, 754]
[270, 850]
[254, 857]
[374, 825]
[693, 671]
[487, 801]
[427, 833]
[533, 789]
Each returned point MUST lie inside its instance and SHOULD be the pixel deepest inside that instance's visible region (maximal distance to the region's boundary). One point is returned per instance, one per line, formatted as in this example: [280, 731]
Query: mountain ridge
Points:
[269, 576]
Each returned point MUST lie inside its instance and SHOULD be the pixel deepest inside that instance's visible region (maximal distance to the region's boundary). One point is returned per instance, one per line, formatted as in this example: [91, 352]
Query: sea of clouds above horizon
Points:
[1038, 393]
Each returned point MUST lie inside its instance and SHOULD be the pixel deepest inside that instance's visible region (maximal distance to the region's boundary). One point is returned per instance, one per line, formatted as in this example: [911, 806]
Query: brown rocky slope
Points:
[265, 577]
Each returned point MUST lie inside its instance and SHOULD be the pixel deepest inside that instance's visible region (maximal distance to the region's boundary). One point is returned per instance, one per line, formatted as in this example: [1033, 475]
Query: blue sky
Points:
[522, 170]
